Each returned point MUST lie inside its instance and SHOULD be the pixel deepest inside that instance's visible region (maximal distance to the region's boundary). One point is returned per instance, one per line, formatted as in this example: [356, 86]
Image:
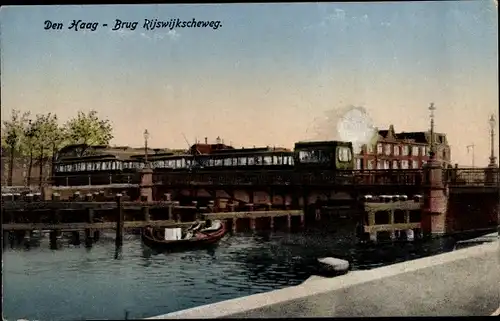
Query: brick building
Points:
[393, 150]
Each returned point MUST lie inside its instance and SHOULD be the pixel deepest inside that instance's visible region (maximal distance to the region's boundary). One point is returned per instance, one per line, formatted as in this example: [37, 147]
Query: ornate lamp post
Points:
[492, 138]
[432, 153]
[146, 137]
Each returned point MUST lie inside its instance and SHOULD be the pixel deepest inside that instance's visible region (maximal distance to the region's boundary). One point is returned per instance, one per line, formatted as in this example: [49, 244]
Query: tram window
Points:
[242, 161]
[251, 161]
[344, 154]
[218, 162]
[258, 160]
[235, 161]
[291, 161]
[228, 162]
[277, 160]
[268, 160]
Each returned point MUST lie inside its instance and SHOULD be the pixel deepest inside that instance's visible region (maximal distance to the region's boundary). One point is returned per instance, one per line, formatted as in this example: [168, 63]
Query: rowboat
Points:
[177, 240]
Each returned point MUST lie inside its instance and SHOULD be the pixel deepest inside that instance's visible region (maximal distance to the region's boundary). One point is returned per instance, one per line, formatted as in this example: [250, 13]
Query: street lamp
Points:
[432, 153]
[492, 137]
[146, 137]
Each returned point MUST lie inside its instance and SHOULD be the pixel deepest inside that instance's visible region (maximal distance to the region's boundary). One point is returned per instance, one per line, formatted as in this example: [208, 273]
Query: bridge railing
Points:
[402, 177]
[472, 176]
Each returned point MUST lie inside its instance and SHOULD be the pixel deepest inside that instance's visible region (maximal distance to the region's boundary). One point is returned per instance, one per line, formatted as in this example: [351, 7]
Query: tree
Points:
[12, 135]
[29, 147]
[48, 138]
[89, 130]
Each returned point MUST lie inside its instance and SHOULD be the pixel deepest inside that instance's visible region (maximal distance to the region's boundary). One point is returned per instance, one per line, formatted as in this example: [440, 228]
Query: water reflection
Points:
[104, 281]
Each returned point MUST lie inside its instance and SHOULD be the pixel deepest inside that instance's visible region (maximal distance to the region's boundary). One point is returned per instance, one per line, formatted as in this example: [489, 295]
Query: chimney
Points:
[206, 140]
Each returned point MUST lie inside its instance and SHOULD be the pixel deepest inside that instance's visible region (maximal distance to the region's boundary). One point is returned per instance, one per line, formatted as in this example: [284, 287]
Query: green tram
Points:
[306, 156]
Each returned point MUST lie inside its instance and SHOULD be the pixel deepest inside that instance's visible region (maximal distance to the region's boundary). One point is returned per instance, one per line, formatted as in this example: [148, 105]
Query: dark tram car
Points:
[97, 170]
[327, 155]
[248, 159]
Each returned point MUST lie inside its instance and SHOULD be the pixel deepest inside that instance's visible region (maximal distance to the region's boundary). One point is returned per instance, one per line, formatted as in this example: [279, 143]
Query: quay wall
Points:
[460, 283]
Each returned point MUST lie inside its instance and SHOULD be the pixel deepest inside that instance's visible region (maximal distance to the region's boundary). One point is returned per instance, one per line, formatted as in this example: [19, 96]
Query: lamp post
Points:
[492, 138]
[432, 154]
[146, 137]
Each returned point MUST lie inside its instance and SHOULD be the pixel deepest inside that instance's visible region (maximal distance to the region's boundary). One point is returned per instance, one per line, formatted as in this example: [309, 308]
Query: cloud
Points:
[172, 34]
[338, 19]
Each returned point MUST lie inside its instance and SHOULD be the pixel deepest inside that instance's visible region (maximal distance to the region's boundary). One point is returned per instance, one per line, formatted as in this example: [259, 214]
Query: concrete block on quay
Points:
[458, 283]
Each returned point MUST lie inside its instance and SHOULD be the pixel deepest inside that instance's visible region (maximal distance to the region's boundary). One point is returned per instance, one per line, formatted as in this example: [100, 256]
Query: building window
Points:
[370, 164]
[422, 151]
[370, 148]
[386, 164]
[404, 164]
[379, 149]
[414, 164]
[388, 149]
[414, 151]
[379, 165]
[406, 150]
[396, 150]
[395, 164]
[359, 163]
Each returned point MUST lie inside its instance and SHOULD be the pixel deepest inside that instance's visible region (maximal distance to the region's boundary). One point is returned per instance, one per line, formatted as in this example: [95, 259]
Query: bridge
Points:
[472, 177]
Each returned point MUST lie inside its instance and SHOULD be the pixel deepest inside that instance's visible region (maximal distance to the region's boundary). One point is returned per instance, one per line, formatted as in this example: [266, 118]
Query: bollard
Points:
[88, 197]
[269, 206]
[168, 197]
[16, 197]
[102, 195]
[119, 221]
[76, 196]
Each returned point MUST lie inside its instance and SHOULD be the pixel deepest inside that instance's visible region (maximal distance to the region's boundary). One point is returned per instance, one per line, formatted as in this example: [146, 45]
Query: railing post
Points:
[67, 181]
[90, 182]
[110, 179]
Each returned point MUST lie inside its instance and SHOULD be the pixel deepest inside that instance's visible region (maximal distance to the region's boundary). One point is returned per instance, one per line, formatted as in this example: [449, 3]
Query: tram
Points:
[306, 156]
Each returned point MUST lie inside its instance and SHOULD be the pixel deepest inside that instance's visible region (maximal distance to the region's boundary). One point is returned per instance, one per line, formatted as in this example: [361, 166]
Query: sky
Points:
[265, 75]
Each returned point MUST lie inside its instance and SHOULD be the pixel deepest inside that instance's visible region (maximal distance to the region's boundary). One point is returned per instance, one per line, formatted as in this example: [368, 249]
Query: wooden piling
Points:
[302, 220]
[252, 224]
[75, 237]
[145, 213]
[89, 238]
[119, 221]
[53, 239]
[289, 221]
[271, 223]
[235, 222]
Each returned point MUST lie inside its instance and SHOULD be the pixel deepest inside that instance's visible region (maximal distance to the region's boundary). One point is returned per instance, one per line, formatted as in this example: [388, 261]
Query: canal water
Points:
[75, 283]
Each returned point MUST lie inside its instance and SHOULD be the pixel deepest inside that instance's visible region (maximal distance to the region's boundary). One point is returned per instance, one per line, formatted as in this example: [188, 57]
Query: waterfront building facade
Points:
[405, 150]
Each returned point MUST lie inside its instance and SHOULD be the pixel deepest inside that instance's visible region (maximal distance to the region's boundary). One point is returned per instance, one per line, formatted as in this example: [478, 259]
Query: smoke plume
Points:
[351, 123]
